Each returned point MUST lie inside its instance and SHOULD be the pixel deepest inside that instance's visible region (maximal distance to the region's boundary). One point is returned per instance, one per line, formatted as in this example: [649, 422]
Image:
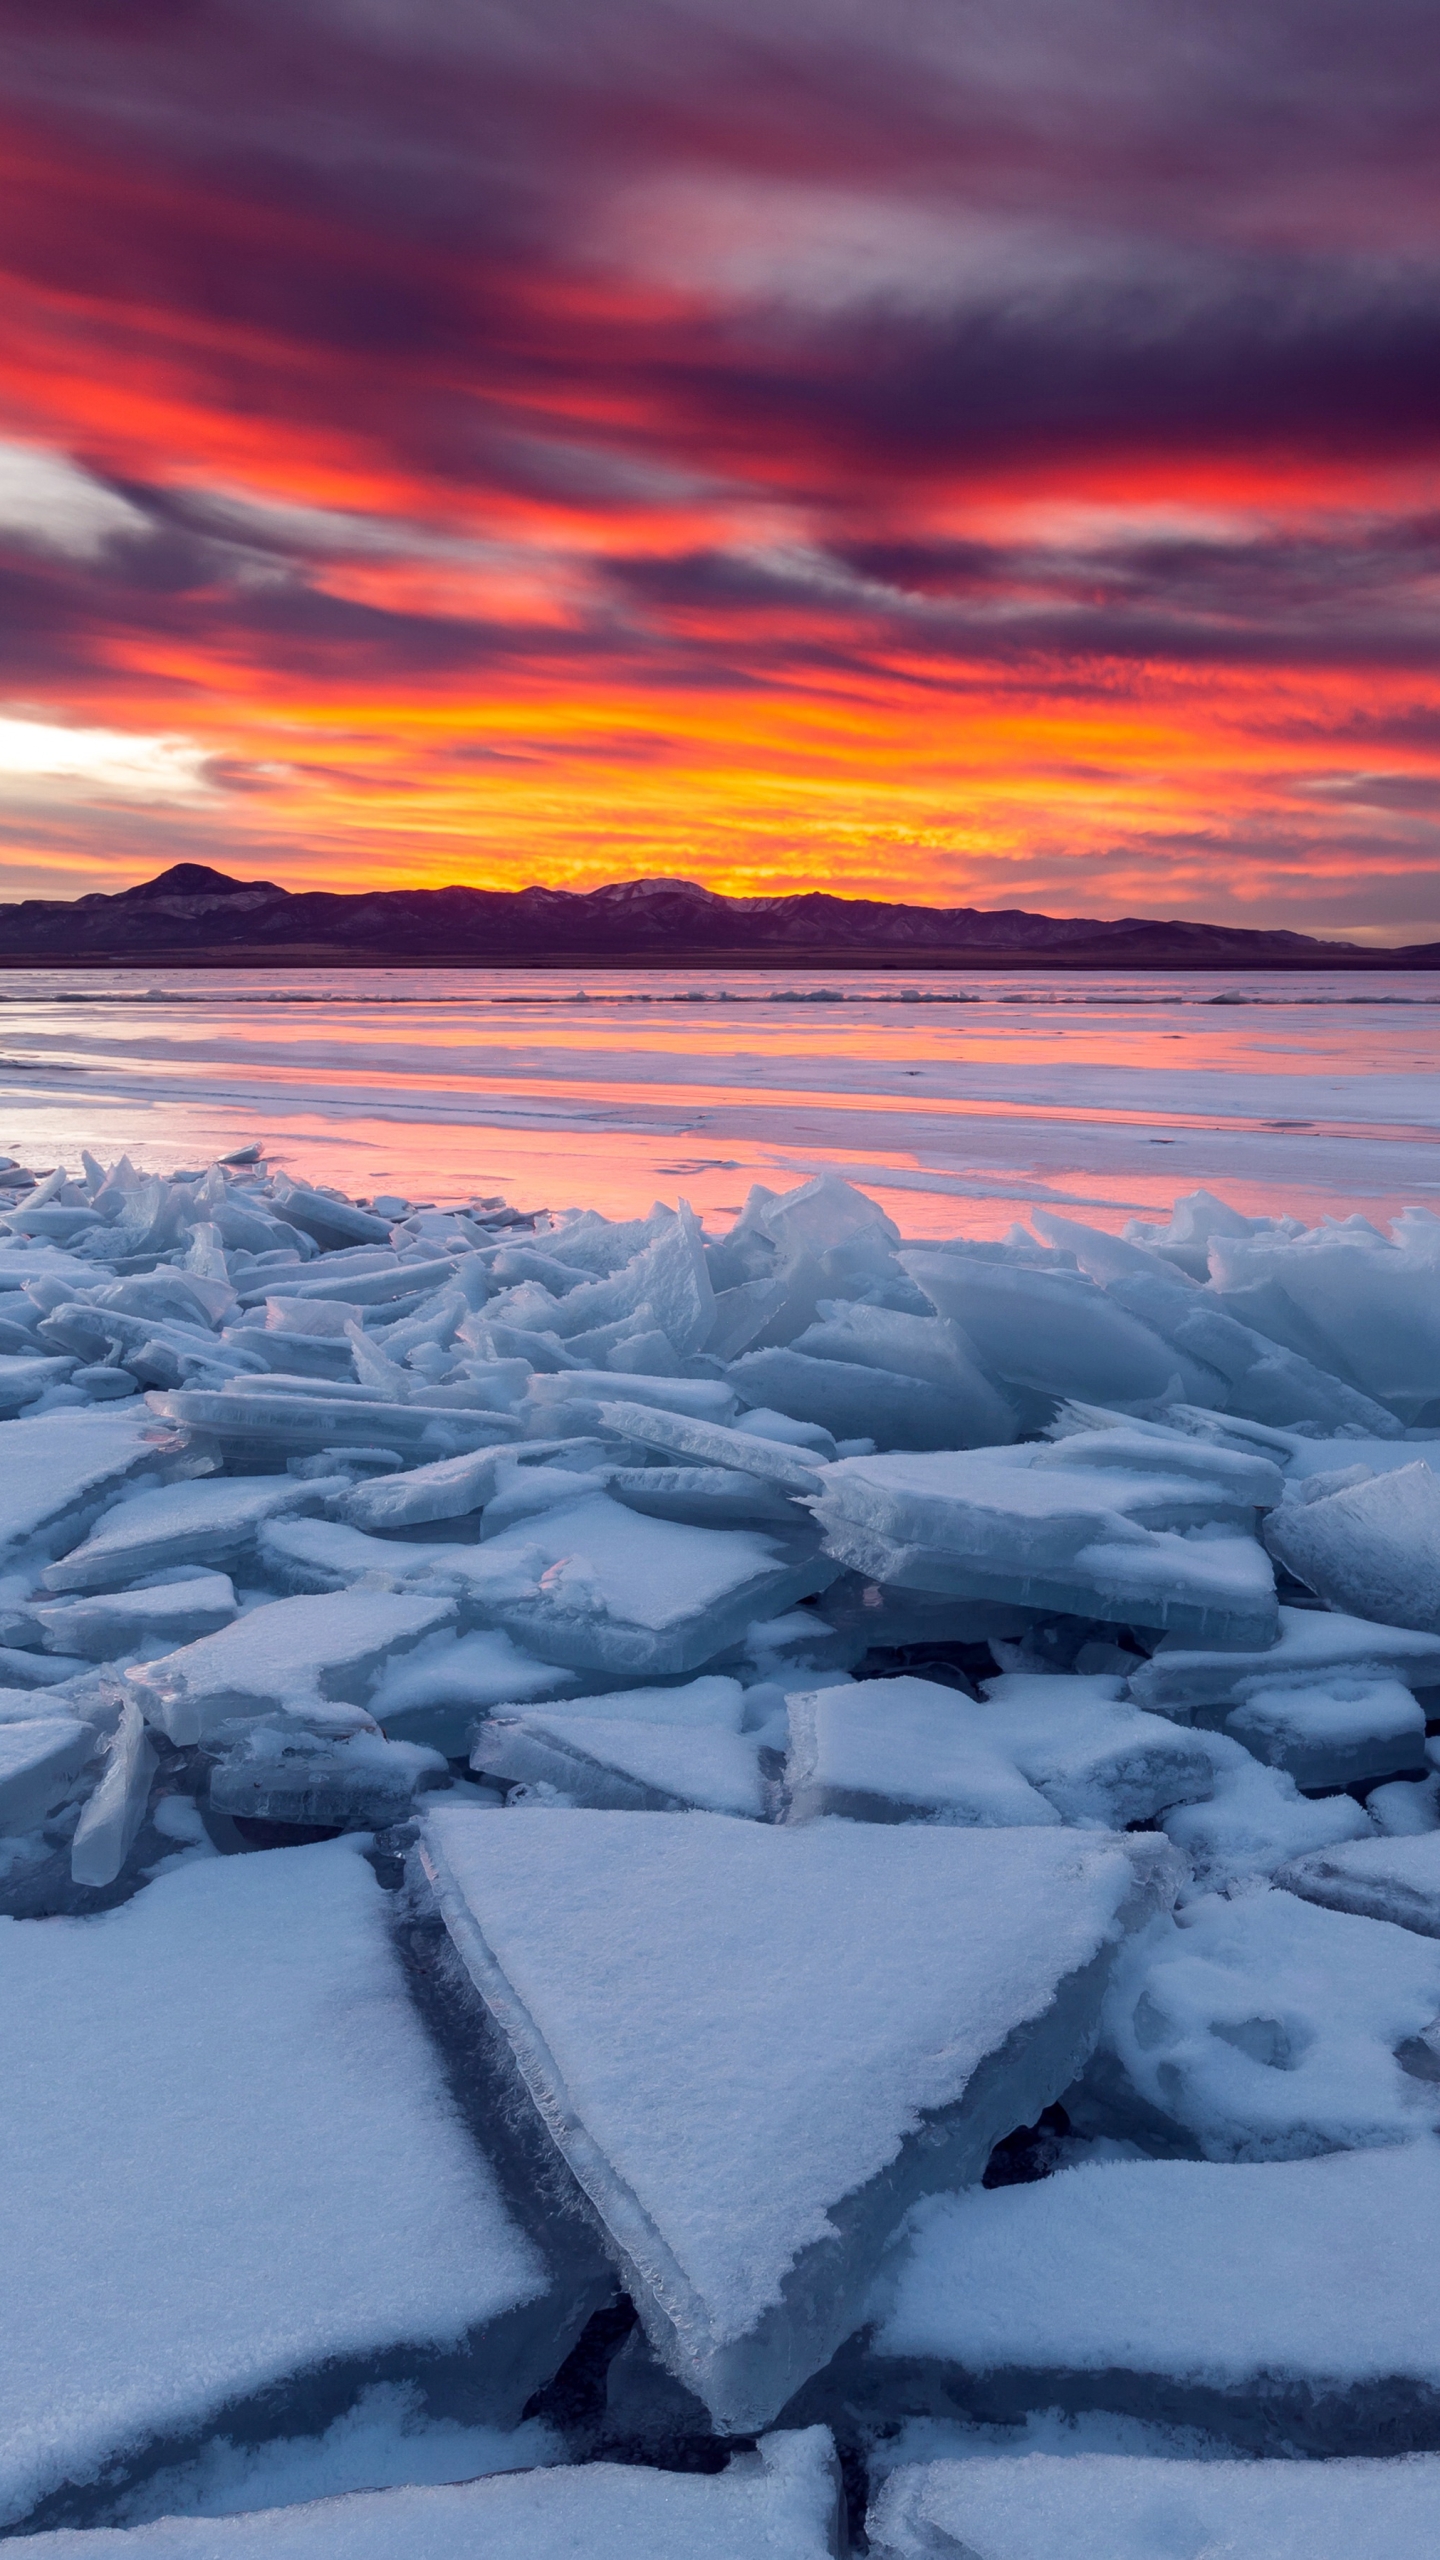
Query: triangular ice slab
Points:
[757, 2048]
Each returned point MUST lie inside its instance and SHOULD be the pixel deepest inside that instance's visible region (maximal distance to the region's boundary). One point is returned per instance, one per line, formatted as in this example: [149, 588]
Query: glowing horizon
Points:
[929, 460]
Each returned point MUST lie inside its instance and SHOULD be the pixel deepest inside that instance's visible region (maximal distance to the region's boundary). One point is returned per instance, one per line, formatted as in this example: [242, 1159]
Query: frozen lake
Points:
[954, 1101]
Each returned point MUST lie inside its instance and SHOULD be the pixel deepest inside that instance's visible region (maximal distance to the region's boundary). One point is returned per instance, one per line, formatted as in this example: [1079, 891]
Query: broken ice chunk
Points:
[1042, 1748]
[1293, 2306]
[328, 1555]
[38, 1759]
[1029, 1526]
[1406, 1806]
[1373, 1548]
[713, 1700]
[278, 1771]
[781, 2502]
[755, 2046]
[437, 1693]
[446, 1490]
[288, 2195]
[578, 1394]
[274, 1415]
[213, 1521]
[711, 1443]
[622, 1765]
[1111, 2506]
[23, 1378]
[702, 1497]
[1333, 1732]
[1053, 1331]
[621, 1593]
[1256, 1819]
[1386, 1879]
[60, 1468]
[1267, 2029]
[1312, 1642]
[111, 1623]
[868, 1402]
[288, 1650]
[901, 1750]
[108, 1825]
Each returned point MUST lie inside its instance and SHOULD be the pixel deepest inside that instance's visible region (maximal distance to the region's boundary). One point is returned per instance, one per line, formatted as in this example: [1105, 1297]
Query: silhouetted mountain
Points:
[202, 918]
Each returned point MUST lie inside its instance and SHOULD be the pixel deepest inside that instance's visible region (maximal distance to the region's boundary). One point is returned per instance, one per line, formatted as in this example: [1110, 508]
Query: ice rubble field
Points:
[675, 1894]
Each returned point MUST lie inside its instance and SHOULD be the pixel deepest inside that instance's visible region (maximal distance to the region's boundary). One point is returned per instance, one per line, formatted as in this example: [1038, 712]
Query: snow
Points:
[38, 1758]
[1255, 1819]
[1328, 1734]
[437, 1692]
[1096, 2506]
[1178, 1678]
[1267, 2029]
[780, 2503]
[184, 2227]
[735, 2032]
[113, 1623]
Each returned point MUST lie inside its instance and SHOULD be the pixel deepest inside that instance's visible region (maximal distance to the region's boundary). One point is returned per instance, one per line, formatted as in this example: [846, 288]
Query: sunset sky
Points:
[982, 451]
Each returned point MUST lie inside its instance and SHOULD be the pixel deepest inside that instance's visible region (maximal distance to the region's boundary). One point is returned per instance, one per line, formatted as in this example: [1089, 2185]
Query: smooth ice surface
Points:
[1389, 1879]
[1316, 2274]
[614, 1761]
[1266, 2029]
[212, 1521]
[730, 2028]
[780, 2503]
[1372, 1548]
[183, 2225]
[280, 1655]
[1098, 2506]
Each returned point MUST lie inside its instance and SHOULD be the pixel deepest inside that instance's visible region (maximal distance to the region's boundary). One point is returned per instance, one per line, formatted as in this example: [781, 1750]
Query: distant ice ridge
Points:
[749, 1736]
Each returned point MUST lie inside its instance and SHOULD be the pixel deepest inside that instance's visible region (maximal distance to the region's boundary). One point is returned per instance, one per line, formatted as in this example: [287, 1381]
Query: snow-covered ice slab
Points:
[279, 1771]
[280, 1655]
[38, 1759]
[231, 2166]
[329, 1555]
[1311, 1644]
[437, 1693]
[59, 1468]
[619, 1764]
[1041, 1748]
[756, 2047]
[1105, 2506]
[1330, 1733]
[1391, 1879]
[614, 1591]
[212, 1520]
[105, 1624]
[1372, 1548]
[1264, 2028]
[1290, 2306]
[1037, 1526]
[782, 2502]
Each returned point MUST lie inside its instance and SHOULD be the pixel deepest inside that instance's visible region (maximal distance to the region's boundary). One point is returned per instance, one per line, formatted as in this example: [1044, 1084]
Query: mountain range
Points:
[197, 917]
